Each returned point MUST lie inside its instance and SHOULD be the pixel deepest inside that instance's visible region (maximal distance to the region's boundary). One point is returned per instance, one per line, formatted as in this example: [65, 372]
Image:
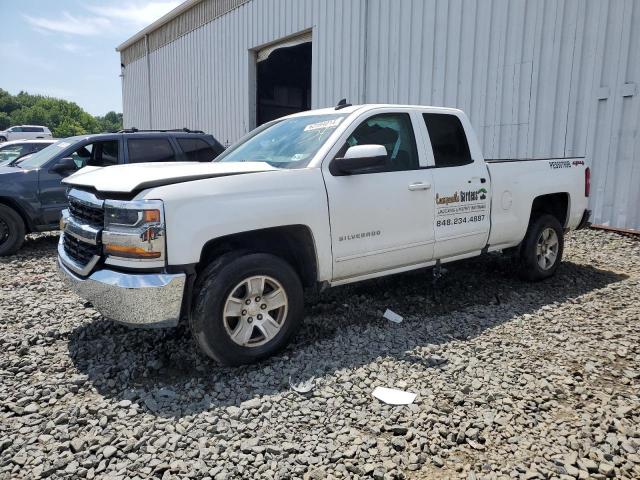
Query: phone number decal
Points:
[446, 222]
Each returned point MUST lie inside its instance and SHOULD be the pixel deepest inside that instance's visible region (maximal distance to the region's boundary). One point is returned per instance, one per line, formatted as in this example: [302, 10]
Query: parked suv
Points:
[32, 195]
[24, 132]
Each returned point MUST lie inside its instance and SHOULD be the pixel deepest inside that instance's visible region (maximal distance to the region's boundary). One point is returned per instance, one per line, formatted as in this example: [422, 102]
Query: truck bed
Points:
[517, 182]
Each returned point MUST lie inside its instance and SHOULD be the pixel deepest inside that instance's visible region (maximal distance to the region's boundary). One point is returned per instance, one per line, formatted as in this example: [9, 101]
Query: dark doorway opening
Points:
[284, 82]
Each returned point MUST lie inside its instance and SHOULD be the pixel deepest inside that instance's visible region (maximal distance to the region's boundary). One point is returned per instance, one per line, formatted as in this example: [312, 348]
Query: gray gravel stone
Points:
[109, 451]
[512, 380]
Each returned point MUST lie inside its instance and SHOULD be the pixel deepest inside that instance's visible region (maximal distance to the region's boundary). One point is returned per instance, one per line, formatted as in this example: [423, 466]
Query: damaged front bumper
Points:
[151, 300]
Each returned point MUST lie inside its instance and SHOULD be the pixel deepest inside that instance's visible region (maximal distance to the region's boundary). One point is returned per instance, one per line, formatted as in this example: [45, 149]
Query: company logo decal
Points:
[461, 207]
[356, 236]
[455, 198]
[462, 196]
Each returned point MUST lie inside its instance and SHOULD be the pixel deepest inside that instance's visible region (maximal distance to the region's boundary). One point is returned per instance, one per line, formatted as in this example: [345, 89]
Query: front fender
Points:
[200, 211]
[19, 190]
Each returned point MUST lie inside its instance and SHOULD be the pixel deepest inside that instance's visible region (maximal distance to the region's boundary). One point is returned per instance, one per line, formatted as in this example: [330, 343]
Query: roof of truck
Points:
[372, 106]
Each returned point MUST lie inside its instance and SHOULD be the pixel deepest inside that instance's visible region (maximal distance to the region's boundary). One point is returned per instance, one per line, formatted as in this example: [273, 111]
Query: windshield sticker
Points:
[325, 124]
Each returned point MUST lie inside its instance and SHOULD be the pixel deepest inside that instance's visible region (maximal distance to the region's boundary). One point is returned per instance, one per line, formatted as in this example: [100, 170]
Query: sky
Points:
[66, 48]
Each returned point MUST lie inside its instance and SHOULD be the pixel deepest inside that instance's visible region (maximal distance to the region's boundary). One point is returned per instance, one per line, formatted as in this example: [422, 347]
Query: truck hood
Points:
[7, 174]
[135, 177]
[9, 170]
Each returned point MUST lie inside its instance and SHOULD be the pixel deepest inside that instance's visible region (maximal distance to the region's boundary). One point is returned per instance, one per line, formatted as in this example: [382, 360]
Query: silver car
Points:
[24, 132]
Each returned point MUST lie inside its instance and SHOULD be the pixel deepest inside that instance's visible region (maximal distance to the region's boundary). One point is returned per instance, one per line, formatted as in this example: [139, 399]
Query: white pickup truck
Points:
[320, 198]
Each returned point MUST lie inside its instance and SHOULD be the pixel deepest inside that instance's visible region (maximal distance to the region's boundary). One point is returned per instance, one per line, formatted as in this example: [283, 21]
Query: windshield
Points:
[9, 153]
[289, 143]
[43, 156]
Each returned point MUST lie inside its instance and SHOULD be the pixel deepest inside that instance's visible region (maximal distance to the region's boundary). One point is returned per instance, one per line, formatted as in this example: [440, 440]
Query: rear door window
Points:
[197, 150]
[448, 140]
[150, 150]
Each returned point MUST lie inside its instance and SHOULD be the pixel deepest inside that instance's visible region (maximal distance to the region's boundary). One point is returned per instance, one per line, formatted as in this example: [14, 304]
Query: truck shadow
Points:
[164, 372]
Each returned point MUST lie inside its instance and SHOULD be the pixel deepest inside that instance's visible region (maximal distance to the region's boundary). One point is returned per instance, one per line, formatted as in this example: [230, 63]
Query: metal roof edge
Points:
[183, 7]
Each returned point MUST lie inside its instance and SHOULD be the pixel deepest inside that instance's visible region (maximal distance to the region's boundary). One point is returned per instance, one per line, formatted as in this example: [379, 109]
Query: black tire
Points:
[3, 139]
[217, 282]
[12, 231]
[530, 267]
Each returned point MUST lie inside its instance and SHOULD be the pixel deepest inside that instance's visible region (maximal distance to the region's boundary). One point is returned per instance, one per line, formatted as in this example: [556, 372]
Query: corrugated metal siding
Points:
[135, 94]
[529, 74]
[202, 79]
[134, 52]
[508, 63]
[614, 142]
[201, 13]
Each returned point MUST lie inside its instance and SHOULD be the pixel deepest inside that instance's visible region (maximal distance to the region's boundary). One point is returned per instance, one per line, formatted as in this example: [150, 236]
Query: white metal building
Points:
[538, 78]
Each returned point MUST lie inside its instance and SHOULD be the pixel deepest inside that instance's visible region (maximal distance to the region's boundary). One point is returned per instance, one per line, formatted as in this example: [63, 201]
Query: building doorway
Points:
[283, 79]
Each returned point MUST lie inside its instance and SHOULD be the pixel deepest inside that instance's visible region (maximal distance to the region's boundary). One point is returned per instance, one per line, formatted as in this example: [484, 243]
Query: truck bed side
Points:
[517, 183]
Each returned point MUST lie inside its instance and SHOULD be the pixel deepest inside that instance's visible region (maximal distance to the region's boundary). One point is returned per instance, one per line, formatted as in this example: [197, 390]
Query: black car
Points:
[31, 193]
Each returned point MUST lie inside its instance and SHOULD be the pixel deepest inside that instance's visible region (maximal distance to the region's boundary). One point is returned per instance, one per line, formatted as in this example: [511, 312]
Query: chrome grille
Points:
[85, 213]
[81, 244]
[80, 251]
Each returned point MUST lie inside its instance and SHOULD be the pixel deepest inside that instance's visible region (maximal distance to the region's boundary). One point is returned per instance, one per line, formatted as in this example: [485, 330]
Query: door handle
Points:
[419, 186]
[482, 179]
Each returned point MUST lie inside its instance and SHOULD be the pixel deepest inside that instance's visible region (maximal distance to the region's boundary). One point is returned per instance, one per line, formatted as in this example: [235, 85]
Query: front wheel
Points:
[541, 250]
[12, 231]
[246, 308]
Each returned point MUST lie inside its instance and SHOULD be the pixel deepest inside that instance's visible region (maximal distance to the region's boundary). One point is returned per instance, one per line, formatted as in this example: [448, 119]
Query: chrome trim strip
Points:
[149, 300]
[64, 218]
[85, 197]
[81, 231]
[78, 268]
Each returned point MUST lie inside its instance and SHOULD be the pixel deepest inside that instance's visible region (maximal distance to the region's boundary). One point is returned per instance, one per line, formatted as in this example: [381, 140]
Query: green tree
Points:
[68, 128]
[63, 118]
[111, 122]
[5, 121]
[8, 103]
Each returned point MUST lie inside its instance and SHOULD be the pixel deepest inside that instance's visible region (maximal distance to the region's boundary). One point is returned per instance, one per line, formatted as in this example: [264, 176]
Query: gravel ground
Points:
[513, 380]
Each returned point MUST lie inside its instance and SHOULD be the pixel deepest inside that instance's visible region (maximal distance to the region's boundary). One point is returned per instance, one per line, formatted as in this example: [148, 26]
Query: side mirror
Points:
[360, 159]
[64, 165]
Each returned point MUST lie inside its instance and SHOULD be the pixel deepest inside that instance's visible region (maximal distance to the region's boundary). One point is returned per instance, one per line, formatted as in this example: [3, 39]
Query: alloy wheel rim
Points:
[547, 248]
[255, 311]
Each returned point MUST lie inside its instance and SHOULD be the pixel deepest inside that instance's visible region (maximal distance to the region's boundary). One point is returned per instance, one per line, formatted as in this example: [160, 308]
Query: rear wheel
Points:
[12, 231]
[3, 139]
[541, 250]
[246, 307]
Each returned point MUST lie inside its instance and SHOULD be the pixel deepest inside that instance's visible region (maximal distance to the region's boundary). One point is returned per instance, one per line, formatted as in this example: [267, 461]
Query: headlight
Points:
[134, 233]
